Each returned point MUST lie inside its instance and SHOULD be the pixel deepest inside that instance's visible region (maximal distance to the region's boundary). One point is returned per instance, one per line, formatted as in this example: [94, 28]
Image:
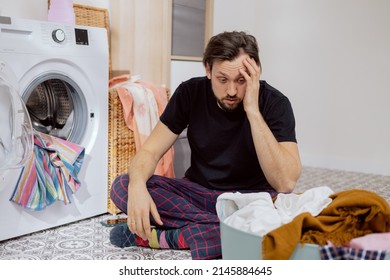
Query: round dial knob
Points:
[58, 35]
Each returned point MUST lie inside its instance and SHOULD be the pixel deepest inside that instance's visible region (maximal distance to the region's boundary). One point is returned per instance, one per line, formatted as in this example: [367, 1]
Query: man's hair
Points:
[228, 46]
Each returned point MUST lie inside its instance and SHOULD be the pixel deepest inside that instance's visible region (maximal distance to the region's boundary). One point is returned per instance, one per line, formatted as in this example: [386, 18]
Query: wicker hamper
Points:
[121, 145]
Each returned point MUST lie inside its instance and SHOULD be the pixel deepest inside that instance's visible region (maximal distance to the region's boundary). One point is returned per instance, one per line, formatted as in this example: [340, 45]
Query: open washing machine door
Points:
[16, 133]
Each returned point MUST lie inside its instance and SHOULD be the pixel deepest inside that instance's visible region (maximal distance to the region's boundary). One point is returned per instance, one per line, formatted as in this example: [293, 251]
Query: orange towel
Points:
[143, 103]
[351, 214]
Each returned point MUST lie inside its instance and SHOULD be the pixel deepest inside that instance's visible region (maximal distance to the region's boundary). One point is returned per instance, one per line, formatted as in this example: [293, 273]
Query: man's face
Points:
[227, 82]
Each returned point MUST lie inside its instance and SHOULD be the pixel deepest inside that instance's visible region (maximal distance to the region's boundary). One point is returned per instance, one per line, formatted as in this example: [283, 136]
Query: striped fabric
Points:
[50, 175]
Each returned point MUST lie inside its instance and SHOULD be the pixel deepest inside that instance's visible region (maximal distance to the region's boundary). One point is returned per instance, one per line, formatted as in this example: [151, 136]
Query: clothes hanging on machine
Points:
[50, 175]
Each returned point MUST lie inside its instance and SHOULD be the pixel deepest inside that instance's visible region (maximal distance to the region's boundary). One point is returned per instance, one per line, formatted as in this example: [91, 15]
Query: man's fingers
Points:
[155, 214]
[252, 67]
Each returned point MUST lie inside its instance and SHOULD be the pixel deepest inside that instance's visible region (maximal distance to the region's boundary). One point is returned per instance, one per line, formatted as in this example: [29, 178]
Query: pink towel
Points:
[143, 103]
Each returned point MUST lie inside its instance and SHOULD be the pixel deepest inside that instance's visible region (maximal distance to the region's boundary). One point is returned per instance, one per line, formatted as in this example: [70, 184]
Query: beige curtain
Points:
[141, 38]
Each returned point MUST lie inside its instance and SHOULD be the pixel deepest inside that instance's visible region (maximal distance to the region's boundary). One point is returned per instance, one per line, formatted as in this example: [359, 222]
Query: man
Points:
[242, 137]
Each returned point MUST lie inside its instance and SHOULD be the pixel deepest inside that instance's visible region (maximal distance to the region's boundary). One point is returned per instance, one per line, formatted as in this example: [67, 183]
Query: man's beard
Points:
[226, 107]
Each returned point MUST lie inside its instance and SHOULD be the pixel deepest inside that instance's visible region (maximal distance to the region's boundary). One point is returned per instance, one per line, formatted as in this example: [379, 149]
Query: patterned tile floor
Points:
[88, 239]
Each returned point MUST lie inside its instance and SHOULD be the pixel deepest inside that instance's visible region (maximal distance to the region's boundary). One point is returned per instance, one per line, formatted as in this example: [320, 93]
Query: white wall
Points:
[36, 9]
[233, 15]
[184, 70]
[331, 58]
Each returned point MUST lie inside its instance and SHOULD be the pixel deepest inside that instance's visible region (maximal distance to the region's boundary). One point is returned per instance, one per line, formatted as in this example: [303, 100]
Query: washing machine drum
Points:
[51, 108]
[16, 133]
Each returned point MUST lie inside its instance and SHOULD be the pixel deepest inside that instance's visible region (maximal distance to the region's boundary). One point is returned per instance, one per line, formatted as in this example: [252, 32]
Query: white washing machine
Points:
[60, 72]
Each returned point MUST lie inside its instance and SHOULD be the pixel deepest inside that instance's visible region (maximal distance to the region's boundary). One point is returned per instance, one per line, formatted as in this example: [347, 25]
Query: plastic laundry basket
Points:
[240, 245]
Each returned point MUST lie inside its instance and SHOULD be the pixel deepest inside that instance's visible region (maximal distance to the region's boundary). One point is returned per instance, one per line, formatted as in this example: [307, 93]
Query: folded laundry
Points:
[50, 175]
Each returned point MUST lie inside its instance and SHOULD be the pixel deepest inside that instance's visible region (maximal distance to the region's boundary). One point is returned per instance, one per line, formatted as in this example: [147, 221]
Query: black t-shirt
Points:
[223, 155]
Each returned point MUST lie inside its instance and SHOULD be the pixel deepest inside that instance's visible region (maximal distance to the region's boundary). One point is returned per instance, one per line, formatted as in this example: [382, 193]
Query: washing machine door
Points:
[16, 133]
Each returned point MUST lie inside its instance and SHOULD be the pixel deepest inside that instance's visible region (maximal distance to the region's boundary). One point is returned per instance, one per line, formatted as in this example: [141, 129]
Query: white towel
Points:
[145, 106]
[313, 201]
[257, 214]
[250, 212]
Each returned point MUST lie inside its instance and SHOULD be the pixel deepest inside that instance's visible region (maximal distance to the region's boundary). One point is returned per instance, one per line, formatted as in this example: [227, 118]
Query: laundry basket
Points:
[121, 145]
[240, 245]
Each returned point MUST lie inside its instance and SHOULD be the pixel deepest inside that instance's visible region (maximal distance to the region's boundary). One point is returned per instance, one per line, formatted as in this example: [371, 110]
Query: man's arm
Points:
[140, 204]
[279, 161]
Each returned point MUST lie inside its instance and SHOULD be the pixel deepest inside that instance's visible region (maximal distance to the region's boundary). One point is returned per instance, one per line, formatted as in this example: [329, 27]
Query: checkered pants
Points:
[183, 204]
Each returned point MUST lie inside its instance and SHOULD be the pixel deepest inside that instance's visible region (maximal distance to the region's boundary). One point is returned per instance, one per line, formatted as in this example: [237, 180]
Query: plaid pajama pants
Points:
[183, 204]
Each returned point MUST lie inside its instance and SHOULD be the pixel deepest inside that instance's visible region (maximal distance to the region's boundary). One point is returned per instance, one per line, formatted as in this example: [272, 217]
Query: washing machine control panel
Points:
[58, 35]
[69, 35]
[52, 39]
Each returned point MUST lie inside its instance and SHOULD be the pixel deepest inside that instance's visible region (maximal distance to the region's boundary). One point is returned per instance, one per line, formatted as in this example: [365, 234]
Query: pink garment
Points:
[373, 241]
[163, 241]
[143, 103]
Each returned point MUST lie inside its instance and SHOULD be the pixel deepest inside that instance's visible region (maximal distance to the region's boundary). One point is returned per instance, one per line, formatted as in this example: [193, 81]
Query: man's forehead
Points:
[230, 68]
